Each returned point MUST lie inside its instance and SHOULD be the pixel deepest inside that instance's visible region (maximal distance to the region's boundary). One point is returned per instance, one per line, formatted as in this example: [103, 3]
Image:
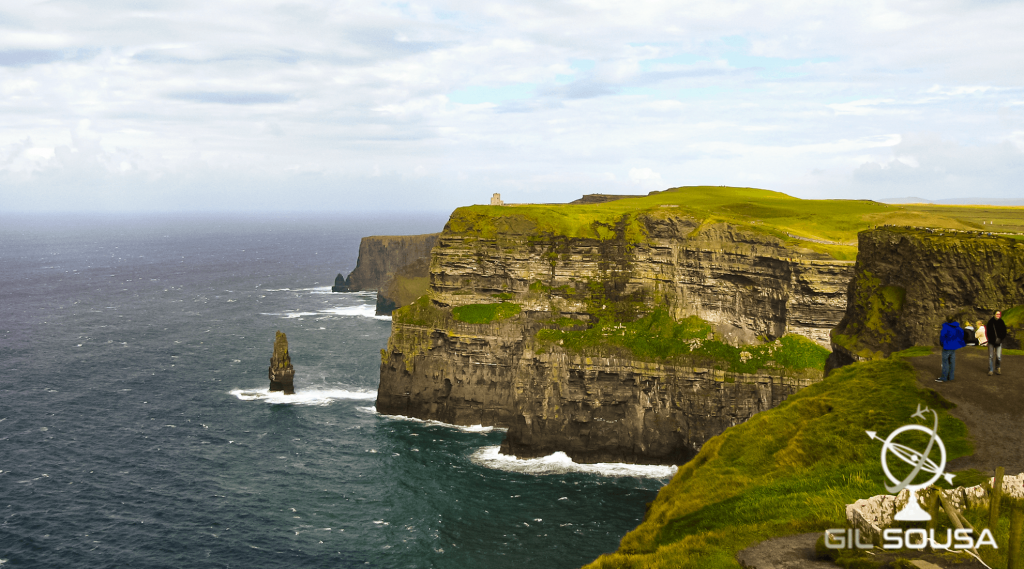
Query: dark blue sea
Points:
[136, 429]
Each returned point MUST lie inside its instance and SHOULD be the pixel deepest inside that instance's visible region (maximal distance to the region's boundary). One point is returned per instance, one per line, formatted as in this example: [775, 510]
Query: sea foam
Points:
[560, 463]
[360, 310]
[432, 423]
[364, 310]
[314, 396]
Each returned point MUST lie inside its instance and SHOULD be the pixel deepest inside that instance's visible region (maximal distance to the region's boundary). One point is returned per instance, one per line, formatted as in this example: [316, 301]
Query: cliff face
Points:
[907, 281]
[405, 286]
[382, 256]
[554, 370]
[747, 284]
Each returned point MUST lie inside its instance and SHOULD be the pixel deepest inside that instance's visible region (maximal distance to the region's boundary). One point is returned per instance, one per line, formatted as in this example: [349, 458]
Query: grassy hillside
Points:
[834, 224]
[787, 470]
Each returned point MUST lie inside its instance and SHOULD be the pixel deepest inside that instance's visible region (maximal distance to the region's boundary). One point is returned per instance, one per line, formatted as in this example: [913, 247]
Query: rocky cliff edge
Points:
[633, 338]
[908, 280]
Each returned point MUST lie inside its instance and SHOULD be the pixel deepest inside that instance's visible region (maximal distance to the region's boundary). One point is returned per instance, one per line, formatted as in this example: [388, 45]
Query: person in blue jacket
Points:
[952, 339]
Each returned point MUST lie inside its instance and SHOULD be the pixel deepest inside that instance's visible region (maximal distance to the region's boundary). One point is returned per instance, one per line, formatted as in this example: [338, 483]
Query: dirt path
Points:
[992, 407]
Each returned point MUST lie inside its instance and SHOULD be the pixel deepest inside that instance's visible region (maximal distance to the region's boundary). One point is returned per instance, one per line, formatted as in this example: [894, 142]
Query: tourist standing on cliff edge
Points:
[952, 339]
[995, 331]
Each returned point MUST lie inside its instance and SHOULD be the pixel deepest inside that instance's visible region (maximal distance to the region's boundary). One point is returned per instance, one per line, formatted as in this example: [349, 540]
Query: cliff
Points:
[381, 256]
[907, 281]
[620, 331]
[405, 286]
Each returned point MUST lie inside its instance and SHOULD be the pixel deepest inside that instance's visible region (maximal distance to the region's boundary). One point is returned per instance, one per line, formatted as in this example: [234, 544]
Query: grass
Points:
[913, 352]
[657, 337]
[420, 313]
[790, 219]
[485, 313]
[786, 470]
[1014, 317]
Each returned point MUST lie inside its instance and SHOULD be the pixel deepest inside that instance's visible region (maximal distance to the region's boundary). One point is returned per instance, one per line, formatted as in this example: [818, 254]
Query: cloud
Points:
[928, 162]
[233, 98]
[646, 177]
[536, 99]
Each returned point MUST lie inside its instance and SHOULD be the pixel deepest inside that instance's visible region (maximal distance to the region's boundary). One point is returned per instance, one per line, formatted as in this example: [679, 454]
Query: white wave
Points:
[290, 314]
[360, 310]
[367, 409]
[315, 396]
[432, 423]
[560, 463]
[364, 310]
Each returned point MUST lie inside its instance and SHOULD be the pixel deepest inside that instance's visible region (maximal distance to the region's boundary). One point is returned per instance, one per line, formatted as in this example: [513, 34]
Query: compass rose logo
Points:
[920, 462]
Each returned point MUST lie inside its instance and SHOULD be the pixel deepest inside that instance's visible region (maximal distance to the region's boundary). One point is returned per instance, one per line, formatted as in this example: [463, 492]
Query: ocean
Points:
[136, 429]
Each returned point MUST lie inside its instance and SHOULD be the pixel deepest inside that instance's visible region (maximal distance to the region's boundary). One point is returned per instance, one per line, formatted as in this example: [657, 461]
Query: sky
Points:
[147, 105]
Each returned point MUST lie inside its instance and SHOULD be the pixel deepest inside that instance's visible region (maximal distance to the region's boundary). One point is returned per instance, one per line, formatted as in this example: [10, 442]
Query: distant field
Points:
[827, 226]
[981, 217]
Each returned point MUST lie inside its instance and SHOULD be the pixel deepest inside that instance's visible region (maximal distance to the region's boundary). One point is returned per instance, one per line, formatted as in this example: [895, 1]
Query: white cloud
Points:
[354, 97]
[926, 162]
[646, 177]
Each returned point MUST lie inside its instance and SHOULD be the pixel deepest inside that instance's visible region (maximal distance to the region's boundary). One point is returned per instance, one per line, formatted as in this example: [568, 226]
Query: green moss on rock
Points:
[486, 313]
[657, 337]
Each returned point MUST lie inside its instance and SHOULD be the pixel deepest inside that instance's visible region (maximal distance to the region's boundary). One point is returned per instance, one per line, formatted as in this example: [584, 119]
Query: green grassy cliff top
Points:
[830, 226]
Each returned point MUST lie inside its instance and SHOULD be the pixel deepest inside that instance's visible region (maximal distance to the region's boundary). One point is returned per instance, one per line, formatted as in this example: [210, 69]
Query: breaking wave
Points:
[316, 396]
[361, 310]
[463, 428]
[560, 463]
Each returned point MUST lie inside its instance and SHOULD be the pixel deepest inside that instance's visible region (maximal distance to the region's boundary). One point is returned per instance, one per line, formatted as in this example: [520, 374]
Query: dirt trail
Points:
[991, 407]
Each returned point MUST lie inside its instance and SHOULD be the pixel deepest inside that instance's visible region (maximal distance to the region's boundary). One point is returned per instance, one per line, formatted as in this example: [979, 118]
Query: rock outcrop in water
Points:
[281, 372]
[907, 281]
[602, 402]
[340, 284]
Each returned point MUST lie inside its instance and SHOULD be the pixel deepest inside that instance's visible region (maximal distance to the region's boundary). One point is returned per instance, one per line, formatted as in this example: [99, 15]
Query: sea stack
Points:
[281, 371]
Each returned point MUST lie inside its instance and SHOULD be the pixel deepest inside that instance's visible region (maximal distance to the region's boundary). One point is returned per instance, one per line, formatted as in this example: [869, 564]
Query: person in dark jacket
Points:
[969, 337]
[995, 331]
[952, 339]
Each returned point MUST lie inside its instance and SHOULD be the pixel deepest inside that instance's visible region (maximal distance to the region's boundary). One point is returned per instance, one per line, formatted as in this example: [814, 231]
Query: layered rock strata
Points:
[907, 281]
[749, 285]
[282, 374]
[616, 407]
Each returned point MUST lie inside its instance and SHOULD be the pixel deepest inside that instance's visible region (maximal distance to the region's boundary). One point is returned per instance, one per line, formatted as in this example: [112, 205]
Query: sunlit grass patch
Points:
[829, 227]
[657, 337]
[485, 313]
